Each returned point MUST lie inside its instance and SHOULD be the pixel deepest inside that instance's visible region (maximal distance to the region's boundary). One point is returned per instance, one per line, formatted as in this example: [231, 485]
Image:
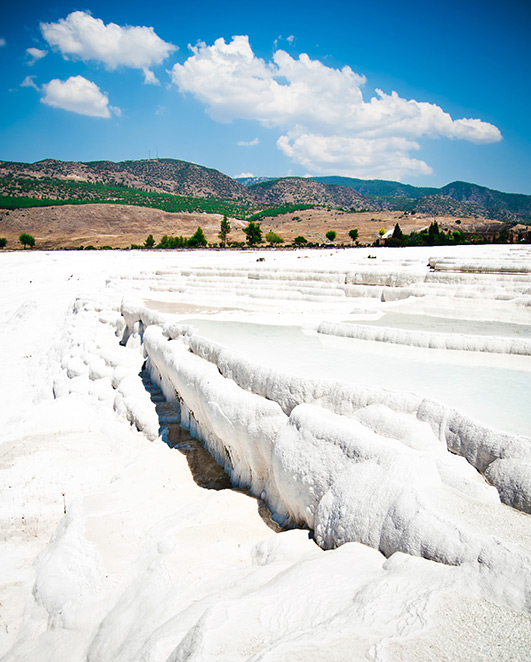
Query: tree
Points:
[433, 233]
[150, 242]
[3, 242]
[273, 238]
[197, 239]
[27, 240]
[397, 232]
[381, 232]
[300, 240]
[353, 234]
[253, 233]
[224, 230]
[331, 235]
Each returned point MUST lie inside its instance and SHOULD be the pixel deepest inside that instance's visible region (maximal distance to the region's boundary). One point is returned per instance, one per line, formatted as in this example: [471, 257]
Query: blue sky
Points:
[424, 92]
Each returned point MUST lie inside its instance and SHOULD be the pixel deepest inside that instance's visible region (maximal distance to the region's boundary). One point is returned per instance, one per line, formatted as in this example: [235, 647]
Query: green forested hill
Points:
[457, 198]
[174, 185]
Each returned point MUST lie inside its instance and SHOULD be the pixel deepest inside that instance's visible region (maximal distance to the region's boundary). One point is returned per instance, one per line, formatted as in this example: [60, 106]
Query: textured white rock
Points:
[147, 566]
[433, 340]
[353, 472]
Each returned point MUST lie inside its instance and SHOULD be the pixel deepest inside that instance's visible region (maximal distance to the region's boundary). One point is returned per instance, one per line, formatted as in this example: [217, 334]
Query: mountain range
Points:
[154, 181]
[457, 198]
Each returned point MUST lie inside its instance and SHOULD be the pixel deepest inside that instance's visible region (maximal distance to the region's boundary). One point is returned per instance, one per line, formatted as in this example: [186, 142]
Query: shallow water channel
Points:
[409, 321]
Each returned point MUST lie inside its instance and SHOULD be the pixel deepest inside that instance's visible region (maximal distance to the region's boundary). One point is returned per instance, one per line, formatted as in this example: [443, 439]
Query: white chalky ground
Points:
[341, 432]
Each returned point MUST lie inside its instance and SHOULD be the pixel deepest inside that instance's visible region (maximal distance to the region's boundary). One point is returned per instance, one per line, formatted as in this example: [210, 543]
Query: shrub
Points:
[3, 242]
[300, 241]
[353, 234]
[273, 238]
[393, 242]
[168, 241]
[331, 235]
[503, 237]
[150, 242]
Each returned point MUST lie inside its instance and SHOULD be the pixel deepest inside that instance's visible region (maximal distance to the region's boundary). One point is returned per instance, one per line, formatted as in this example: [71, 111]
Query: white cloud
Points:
[328, 126]
[243, 174]
[2, 42]
[78, 95]
[235, 84]
[29, 82]
[251, 143]
[289, 39]
[150, 78]
[35, 54]
[80, 35]
[353, 156]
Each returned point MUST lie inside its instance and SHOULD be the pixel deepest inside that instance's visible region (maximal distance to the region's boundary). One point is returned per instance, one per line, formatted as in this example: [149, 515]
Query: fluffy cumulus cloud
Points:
[327, 124]
[78, 95]
[83, 36]
[352, 156]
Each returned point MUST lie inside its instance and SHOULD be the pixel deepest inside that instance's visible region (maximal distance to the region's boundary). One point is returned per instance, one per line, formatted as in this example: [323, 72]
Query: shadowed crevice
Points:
[206, 471]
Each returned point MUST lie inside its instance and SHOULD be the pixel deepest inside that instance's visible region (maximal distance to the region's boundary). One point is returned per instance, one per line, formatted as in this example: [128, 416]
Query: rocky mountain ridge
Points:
[46, 180]
[170, 176]
[455, 199]
[304, 190]
[154, 175]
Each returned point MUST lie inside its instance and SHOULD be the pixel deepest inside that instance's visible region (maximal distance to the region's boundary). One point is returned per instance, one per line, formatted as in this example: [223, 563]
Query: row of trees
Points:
[253, 234]
[434, 236]
[197, 240]
[332, 234]
[25, 239]
[431, 236]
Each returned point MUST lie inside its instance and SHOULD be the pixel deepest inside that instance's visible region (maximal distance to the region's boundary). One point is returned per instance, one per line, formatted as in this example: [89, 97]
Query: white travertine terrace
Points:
[419, 509]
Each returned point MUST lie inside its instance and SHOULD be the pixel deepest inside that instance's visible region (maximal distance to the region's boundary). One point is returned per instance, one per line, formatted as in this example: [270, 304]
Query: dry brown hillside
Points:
[119, 226]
